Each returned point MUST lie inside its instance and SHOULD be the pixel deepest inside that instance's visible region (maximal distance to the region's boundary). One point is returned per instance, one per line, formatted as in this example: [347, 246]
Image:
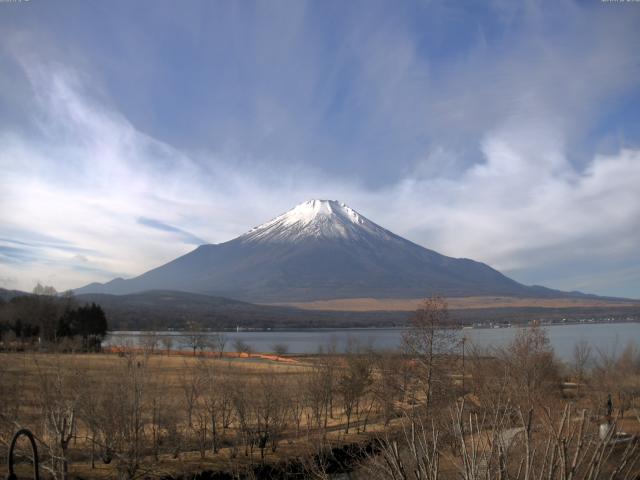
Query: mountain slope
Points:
[6, 295]
[321, 250]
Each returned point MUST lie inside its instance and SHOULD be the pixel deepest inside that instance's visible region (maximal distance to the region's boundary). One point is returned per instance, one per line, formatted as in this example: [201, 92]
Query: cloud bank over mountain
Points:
[511, 137]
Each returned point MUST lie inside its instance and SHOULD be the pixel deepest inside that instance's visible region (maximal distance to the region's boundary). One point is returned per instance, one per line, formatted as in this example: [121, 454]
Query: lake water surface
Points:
[606, 337]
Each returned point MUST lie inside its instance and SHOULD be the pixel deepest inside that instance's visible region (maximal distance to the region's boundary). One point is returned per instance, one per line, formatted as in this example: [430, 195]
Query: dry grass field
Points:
[177, 396]
[456, 303]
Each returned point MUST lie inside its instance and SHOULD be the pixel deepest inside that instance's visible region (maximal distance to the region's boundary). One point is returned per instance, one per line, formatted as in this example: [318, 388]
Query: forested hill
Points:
[163, 309]
[173, 309]
[6, 295]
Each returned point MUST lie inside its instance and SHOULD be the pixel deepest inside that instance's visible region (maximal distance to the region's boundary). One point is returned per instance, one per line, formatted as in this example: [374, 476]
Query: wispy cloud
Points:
[15, 255]
[182, 234]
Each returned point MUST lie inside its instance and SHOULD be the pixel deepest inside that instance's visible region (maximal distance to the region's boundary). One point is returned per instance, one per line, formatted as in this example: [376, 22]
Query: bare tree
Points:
[213, 394]
[167, 343]
[195, 337]
[387, 387]
[89, 413]
[318, 389]
[354, 381]
[530, 365]
[227, 379]
[43, 311]
[431, 335]
[613, 375]
[242, 347]
[242, 397]
[270, 411]
[280, 349]
[44, 290]
[219, 341]
[126, 420]
[563, 446]
[580, 361]
[192, 383]
[12, 405]
[488, 376]
[149, 341]
[59, 403]
[162, 414]
[297, 405]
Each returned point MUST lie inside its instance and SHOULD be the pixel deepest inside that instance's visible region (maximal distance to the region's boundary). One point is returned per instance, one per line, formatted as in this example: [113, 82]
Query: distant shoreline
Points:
[351, 329]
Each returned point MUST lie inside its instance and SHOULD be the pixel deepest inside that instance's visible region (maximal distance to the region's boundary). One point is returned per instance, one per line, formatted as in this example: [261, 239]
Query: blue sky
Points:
[507, 132]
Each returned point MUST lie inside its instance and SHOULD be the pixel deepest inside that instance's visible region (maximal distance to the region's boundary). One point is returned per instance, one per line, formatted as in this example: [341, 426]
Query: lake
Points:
[606, 337]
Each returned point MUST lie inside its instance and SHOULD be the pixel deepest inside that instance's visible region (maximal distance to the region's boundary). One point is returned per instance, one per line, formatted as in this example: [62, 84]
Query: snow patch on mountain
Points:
[317, 219]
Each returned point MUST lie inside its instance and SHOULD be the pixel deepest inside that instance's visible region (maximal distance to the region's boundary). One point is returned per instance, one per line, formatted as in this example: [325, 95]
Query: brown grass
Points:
[23, 372]
[455, 303]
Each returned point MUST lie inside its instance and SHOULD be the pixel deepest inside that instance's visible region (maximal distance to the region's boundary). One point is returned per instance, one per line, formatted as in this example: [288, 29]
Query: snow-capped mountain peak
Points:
[316, 219]
[319, 250]
[314, 210]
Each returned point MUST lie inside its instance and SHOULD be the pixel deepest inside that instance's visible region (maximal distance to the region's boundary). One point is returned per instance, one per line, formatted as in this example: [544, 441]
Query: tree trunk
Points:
[214, 435]
[93, 452]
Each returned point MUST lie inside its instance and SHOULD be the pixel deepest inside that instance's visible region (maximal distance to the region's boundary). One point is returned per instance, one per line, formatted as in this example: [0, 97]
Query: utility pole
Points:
[464, 339]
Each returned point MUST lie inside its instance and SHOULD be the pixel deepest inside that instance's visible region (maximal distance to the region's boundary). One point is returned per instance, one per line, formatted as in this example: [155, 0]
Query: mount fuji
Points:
[321, 250]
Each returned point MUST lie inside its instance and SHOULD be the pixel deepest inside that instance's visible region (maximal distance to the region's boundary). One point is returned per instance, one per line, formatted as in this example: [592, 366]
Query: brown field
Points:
[170, 380]
[455, 303]
[157, 411]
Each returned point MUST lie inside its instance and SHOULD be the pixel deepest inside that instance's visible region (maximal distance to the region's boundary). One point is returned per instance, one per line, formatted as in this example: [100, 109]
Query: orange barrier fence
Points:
[190, 353]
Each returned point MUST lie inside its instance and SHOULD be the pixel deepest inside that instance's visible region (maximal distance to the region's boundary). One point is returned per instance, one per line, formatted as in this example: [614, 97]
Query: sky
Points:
[506, 132]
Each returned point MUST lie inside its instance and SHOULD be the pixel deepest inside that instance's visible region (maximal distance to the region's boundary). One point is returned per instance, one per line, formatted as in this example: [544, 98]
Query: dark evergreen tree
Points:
[90, 323]
[48, 319]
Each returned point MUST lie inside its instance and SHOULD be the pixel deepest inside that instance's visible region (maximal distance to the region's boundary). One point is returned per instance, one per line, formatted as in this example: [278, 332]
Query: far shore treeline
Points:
[169, 309]
[51, 320]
